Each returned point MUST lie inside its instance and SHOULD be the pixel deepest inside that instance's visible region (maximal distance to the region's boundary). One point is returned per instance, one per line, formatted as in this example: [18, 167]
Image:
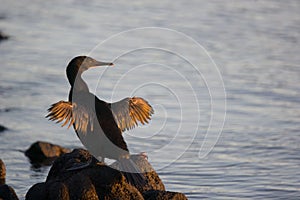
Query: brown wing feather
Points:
[71, 113]
[129, 111]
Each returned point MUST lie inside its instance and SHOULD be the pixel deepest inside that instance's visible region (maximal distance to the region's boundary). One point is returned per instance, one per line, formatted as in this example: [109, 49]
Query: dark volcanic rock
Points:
[61, 166]
[163, 195]
[2, 172]
[7, 193]
[2, 128]
[3, 36]
[153, 180]
[96, 181]
[44, 152]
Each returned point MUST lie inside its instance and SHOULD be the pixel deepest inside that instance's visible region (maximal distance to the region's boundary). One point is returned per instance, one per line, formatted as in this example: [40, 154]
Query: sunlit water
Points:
[254, 44]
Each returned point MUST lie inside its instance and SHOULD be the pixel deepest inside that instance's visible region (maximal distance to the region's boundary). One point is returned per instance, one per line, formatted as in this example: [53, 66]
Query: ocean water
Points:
[223, 78]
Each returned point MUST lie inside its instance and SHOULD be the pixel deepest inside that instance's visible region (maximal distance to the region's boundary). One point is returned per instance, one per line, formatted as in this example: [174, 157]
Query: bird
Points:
[98, 124]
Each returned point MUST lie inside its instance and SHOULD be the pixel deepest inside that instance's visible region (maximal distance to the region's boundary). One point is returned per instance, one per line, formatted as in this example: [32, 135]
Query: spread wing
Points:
[129, 111]
[71, 113]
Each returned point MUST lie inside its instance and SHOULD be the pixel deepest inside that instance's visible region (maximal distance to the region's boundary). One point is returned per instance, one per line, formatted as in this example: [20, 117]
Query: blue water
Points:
[252, 47]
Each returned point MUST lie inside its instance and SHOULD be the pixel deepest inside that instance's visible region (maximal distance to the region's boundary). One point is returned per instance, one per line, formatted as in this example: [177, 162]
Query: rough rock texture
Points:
[153, 180]
[67, 180]
[97, 181]
[6, 192]
[2, 172]
[163, 195]
[44, 152]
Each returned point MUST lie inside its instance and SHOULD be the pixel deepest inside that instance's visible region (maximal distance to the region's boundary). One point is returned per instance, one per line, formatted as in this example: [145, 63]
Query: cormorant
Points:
[98, 124]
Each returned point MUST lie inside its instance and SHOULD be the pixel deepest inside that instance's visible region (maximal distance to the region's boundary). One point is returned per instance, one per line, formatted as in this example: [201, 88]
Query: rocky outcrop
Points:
[67, 180]
[153, 180]
[3, 36]
[2, 128]
[163, 195]
[44, 152]
[6, 192]
[2, 172]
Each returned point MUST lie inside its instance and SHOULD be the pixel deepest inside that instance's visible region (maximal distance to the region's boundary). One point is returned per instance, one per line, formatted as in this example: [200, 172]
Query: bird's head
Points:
[80, 64]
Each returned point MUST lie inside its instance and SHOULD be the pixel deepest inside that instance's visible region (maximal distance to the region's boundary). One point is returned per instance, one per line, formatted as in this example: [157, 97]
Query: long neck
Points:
[74, 76]
[78, 87]
[76, 82]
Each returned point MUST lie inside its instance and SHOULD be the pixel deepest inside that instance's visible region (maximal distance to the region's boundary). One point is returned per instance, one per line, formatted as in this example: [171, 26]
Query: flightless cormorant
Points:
[98, 124]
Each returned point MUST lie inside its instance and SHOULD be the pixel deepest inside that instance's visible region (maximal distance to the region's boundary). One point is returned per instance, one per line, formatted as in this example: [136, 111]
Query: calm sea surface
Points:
[252, 47]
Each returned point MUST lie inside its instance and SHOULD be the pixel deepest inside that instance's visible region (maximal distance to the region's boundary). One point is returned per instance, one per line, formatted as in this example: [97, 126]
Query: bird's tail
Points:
[132, 173]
